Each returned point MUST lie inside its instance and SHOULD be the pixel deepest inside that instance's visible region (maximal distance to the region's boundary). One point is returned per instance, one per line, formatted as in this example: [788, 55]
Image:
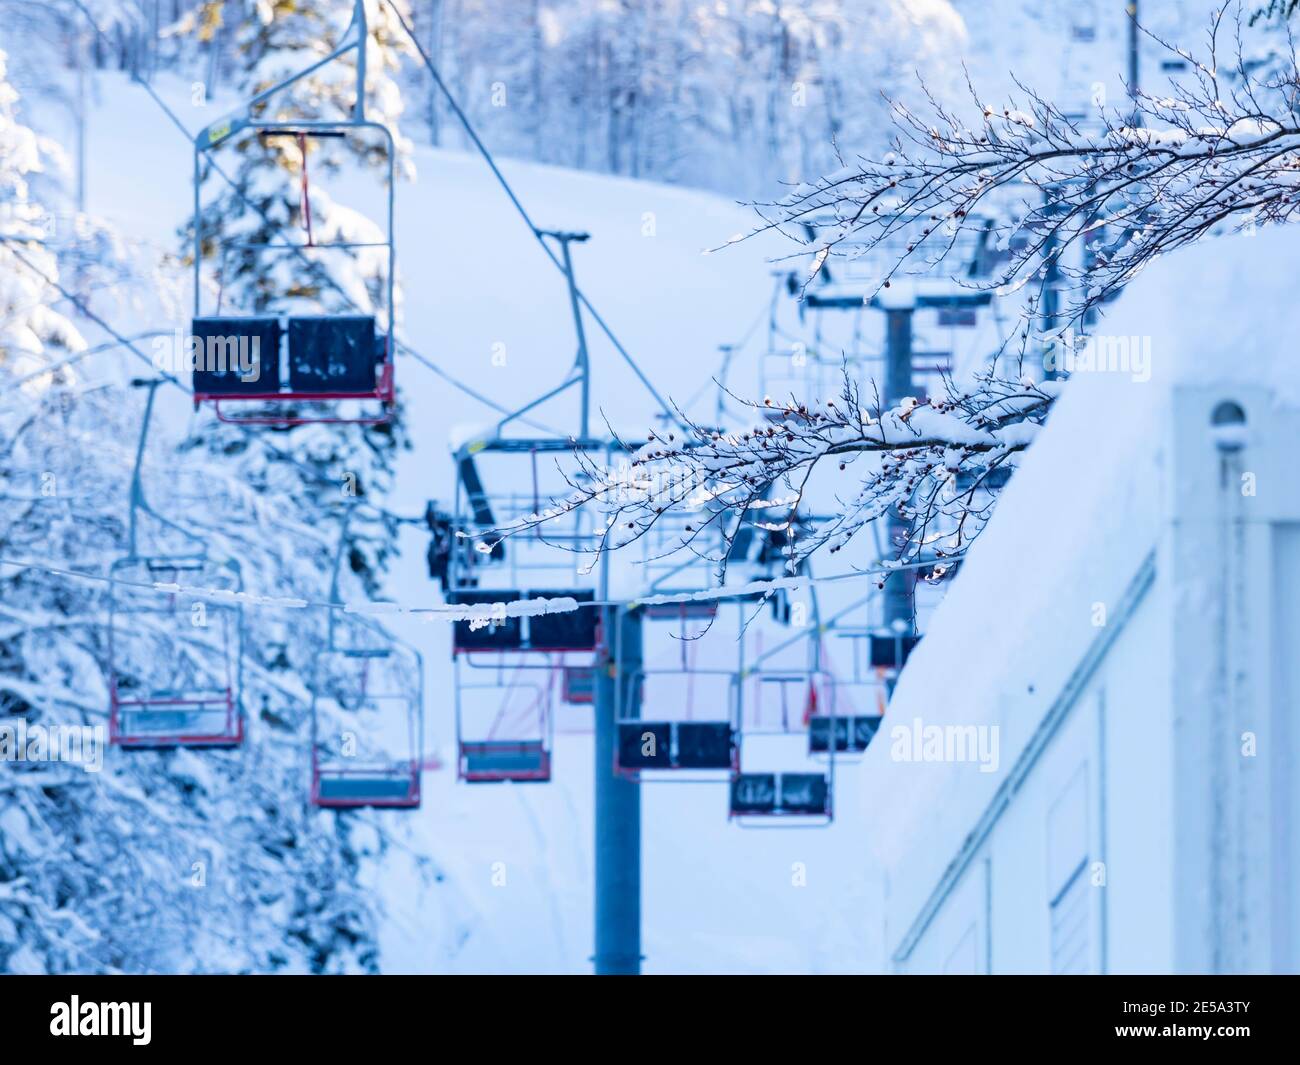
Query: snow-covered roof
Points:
[1072, 529]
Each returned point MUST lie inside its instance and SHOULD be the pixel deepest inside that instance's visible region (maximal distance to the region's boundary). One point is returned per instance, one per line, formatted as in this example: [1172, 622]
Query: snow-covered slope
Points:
[716, 897]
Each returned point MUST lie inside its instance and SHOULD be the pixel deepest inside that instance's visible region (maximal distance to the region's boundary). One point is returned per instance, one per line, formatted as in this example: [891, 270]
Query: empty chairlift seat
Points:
[174, 719]
[483, 761]
[158, 698]
[379, 685]
[851, 733]
[780, 795]
[675, 745]
[383, 786]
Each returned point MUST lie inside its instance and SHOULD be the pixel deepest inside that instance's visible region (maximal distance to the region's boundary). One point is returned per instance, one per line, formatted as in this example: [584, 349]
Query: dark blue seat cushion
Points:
[574, 630]
[802, 793]
[503, 635]
[332, 353]
[238, 356]
[644, 745]
[704, 744]
[358, 787]
[753, 793]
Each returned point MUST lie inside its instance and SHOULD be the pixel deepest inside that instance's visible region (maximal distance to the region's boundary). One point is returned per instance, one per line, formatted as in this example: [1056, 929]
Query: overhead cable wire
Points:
[523, 213]
[453, 612]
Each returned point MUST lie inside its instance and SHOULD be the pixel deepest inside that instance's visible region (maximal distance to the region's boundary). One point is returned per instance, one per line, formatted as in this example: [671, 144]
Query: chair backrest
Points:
[333, 353]
[884, 650]
[572, 630]
[705, 745]
[235, 356]
[505, 760]
[645, 745]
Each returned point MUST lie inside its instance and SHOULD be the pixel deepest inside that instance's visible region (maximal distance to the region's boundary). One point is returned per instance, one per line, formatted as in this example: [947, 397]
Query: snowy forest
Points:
[426, 424]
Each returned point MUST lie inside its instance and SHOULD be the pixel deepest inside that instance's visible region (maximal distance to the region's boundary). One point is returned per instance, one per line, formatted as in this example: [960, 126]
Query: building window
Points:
[1069, 900]
[1070, 920]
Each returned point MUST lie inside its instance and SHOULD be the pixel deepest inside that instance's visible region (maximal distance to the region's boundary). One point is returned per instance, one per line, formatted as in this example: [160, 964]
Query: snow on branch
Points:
[928, 462]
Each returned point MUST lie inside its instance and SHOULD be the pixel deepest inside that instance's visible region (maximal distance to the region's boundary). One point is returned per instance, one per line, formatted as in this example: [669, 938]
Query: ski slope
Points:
[497, 878]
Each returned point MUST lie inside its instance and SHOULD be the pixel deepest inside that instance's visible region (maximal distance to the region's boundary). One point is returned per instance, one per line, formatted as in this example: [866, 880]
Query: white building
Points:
[1125, 638]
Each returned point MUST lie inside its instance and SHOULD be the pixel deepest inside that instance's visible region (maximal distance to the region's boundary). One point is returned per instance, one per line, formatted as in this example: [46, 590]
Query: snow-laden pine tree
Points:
[159, 860]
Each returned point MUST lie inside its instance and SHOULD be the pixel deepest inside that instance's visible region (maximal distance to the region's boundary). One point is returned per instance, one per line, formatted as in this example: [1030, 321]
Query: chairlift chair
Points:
[505, 752]
[684, 749]
[325, 357]
[479, 511]
[513, 750]
[780, 795]
[849, 726]
[368, 680]
[175, 661]
[787, 798]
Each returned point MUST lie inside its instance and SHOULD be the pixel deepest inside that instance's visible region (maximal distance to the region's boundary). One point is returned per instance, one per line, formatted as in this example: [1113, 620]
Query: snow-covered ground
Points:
[716, 897]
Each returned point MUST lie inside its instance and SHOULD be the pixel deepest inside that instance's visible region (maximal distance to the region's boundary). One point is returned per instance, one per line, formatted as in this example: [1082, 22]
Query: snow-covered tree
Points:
[718, 95]
[160, 860]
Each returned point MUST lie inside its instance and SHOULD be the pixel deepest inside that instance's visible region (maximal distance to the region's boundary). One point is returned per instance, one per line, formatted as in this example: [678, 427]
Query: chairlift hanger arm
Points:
[353, 37]
[138, 501]
[574, 380]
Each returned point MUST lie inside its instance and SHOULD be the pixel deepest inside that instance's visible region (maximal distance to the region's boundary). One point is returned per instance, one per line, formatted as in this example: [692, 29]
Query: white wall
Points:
[1093, 813]
[1155, 824]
